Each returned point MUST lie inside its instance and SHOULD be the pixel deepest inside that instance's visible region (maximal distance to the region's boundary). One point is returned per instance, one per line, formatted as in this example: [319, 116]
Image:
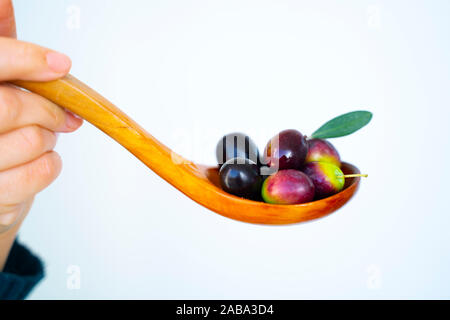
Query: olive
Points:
[241, 177]
[288, 187]
[236, 145]
[286, 150]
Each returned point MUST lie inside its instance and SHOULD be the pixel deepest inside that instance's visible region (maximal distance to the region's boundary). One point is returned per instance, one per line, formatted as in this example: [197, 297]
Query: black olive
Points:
[236, 145]
[241, 177]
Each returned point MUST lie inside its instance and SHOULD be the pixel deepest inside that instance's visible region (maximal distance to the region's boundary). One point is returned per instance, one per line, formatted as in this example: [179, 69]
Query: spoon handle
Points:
[198, 182]
[74, 95]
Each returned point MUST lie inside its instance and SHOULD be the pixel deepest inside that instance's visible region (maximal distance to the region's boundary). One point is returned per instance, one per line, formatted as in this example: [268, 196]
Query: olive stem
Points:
[354, 175]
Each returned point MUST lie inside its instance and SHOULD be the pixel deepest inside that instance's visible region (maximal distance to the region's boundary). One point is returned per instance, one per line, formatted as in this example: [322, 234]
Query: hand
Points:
[28, 126]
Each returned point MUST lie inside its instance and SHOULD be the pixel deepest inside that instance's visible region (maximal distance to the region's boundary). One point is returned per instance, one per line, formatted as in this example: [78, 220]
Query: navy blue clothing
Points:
[23, 270]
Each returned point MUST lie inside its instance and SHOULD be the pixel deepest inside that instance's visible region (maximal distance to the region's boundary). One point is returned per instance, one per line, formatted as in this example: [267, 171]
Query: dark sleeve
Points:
[22, 272]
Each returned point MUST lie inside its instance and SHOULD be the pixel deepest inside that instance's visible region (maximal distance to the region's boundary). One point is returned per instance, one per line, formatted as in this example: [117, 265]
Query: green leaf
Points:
[343, 125]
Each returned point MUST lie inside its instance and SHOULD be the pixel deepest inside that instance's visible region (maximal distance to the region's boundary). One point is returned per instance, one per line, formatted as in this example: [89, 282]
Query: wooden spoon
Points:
[198, 182]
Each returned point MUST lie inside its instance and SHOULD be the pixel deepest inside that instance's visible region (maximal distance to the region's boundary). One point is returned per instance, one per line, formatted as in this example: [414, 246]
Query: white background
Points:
[190, 71]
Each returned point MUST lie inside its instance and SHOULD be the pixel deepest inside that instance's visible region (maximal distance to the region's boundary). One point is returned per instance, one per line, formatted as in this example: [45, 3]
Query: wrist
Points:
[9, 219]
[6, 242]
[9, 234]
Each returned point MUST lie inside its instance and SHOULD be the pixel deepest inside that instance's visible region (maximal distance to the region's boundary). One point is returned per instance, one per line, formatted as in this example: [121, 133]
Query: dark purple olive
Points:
[241, 177]
[287, 150]
[236, 145]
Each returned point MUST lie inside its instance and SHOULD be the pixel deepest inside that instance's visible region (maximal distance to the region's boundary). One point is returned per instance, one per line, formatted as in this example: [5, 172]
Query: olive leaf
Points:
[343, 125]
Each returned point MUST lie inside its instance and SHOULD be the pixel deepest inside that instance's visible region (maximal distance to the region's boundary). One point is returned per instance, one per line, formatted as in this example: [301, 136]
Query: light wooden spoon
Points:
[198, 182]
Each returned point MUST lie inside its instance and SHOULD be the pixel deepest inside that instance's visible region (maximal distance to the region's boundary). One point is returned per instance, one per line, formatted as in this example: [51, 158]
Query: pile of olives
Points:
[293, 169]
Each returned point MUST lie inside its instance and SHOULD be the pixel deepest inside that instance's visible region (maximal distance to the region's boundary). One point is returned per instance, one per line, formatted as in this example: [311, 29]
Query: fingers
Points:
[26, 61]
[24, 145]
[7, 21]
[23, 182]
[20, 108]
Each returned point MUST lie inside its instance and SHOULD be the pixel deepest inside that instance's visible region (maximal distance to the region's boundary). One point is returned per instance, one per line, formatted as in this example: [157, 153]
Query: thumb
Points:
[26, 61]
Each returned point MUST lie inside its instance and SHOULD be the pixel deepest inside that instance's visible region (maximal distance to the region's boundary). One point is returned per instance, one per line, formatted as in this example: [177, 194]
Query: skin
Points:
[28, 127]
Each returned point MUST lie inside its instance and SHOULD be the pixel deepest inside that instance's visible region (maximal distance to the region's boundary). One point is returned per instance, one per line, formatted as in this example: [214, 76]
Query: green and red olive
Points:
[327, 178]
[288, 187]
[323, 151]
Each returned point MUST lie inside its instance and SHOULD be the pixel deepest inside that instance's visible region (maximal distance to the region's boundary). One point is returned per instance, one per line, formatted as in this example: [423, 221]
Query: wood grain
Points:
[198, 182]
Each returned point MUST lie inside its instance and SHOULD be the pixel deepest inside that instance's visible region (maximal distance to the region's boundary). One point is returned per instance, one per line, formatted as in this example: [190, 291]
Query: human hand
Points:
[28, 124]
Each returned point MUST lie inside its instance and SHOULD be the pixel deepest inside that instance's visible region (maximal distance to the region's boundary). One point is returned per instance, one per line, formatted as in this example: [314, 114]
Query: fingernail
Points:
[73, 121]
[58, 62]
[74, 114]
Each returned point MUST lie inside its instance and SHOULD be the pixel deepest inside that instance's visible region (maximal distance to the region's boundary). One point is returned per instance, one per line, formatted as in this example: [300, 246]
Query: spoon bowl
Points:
[198, 182]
